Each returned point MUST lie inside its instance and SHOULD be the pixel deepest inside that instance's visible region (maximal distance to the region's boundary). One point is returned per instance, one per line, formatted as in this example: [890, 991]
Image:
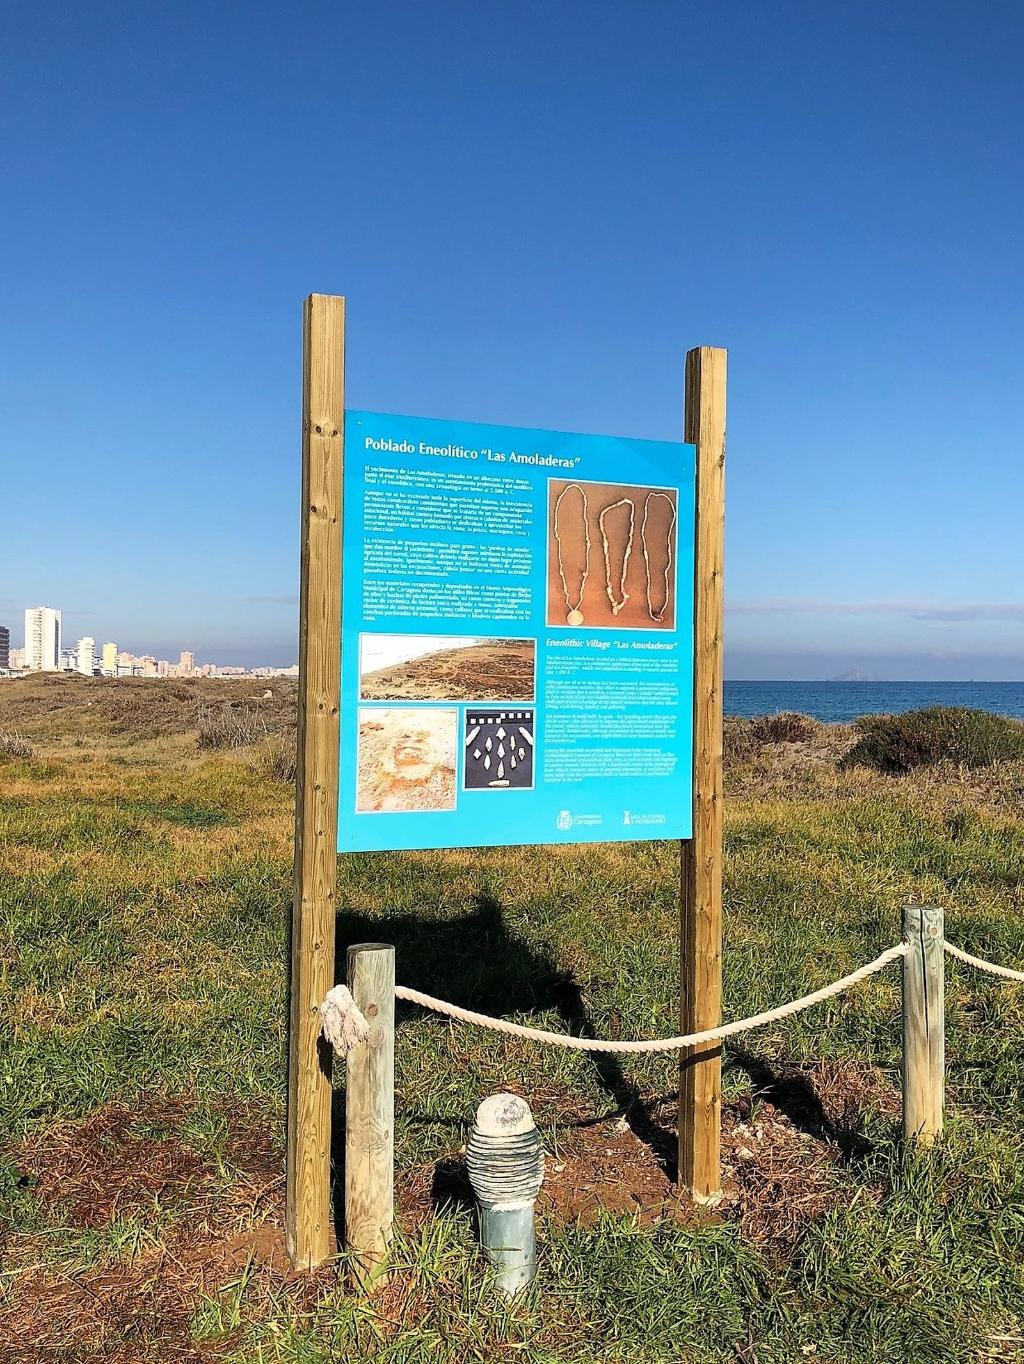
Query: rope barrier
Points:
[982, 965]
[370, 1077]
[344, 1026]
[557, 1039]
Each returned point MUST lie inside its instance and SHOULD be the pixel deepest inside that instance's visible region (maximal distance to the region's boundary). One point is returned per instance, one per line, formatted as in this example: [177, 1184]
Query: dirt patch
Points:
[113, 1163]
[145, 1307]
[776, 1179]
[784, 1149]
[784, 1146]
[595, 1167]
[120, 1160]
[607, 1168]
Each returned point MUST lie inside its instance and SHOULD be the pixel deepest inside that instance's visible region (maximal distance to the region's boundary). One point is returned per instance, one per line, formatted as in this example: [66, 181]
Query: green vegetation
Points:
[144, 894]
[921, 738]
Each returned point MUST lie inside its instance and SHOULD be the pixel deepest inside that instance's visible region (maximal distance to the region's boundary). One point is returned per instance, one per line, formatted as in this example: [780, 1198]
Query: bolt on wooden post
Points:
[924, 1023]
[308, 1212]
[370, 1113]
[700, 964]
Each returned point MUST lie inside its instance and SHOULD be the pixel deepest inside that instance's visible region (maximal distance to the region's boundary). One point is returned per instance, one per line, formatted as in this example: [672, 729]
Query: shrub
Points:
[14, 745]
[738, 741]
[227, 726]
[742, 739]
[785, 727]
[276, 759]
[919, 738]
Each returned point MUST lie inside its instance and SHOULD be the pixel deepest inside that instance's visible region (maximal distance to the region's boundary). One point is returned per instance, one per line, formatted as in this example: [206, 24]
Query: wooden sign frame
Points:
[312, 946]
[700, 906]
[310, 1063]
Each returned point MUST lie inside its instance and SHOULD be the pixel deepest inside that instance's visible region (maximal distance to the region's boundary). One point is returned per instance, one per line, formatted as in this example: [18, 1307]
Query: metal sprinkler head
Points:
[506, 1169]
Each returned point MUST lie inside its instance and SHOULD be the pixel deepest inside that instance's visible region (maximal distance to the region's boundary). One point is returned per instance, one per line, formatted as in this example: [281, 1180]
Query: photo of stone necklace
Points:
[574, 615]
[617, 602]
[660, 613]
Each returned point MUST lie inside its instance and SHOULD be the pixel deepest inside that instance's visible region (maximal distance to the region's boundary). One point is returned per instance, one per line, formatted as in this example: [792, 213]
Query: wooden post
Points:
[370, 1112]
[924, 1023]
[308, 1224]
[700, 1079]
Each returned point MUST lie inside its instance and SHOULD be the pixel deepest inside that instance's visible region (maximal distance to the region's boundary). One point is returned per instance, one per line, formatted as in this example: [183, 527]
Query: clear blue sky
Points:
[534, 209]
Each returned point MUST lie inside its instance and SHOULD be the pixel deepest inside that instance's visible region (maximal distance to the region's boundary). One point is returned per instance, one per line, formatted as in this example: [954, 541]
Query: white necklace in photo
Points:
[574, 614]
[660, 613]
[617, 604]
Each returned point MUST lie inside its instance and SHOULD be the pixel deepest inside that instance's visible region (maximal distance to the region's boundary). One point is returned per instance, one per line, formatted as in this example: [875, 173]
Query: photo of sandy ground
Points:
[661, 536]
[406, 759]
[445, 668]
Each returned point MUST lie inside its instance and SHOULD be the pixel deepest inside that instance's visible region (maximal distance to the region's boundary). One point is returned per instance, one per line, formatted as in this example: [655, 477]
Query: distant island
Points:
[855, 675]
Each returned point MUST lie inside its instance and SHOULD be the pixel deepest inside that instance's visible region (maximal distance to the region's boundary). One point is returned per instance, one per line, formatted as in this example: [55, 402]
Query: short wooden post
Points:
[370, 1112]
[924, 1023]
[308, 1211]
[700, 1079]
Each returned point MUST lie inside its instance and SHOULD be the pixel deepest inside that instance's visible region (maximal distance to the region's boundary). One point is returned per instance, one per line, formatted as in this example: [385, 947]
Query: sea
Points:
[841, 702]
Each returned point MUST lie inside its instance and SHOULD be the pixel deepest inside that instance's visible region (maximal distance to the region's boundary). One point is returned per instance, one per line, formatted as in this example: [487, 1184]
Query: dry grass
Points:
[65, 706]
[230, 726]
[275, 759]
[144, 890]
[14, 745]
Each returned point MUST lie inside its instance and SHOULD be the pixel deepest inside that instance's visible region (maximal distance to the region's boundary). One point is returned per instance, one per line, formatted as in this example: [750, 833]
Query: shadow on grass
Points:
[476, 962]
[792, 1093]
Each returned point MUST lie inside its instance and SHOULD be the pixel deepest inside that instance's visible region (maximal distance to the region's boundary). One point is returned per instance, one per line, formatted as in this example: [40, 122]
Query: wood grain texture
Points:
[370, 1113]
[308, 1226]
[924, 1023]
[700, 1078]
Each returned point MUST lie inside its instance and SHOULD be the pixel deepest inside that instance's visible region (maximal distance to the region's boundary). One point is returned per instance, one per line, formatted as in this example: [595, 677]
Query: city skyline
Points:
[878, 664]
[46, 649]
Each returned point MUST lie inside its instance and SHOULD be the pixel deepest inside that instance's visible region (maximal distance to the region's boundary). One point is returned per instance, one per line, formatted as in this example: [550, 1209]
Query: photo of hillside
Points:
[445, 668]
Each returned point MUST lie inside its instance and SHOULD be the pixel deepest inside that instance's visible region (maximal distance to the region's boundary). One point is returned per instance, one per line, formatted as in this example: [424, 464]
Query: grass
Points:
[144, 893]
[919, 738]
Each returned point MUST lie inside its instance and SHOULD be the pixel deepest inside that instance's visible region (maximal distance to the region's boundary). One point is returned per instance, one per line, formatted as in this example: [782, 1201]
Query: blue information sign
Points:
[517, 636]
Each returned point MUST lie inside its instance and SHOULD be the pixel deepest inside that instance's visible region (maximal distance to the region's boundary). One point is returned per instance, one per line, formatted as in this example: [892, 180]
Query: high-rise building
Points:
[186, 662]
[5, 648]
[108, 667]
[85, 655]
[42, 639]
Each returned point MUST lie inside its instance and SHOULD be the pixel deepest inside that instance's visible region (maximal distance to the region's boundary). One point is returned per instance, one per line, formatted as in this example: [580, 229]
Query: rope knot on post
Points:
[341, 1022]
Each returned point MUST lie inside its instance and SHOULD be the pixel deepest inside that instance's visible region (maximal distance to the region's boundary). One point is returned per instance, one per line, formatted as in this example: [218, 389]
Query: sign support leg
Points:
[308, 1225]
[370, 1114]
[700, 1079]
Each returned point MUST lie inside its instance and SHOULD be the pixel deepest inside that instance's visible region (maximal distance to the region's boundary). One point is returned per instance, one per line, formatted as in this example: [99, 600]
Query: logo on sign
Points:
[564, 820]
[631, 817]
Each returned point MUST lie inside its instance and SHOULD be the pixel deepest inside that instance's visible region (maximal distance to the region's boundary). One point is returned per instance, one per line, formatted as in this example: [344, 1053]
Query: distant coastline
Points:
[840, 702]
